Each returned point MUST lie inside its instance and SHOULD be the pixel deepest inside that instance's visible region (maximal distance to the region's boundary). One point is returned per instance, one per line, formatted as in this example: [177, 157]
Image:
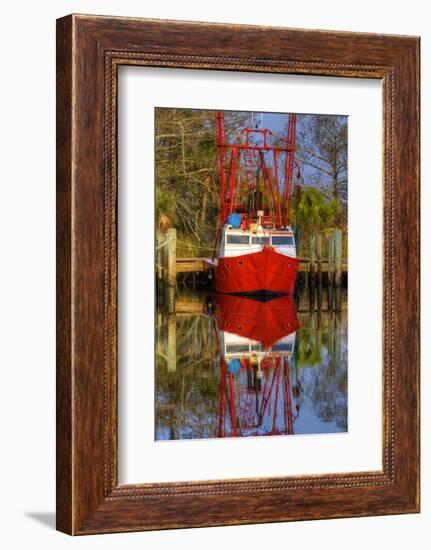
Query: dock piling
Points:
[338, 246]
[319, 270]
[172, 343]
[172, 257]
[312, 266]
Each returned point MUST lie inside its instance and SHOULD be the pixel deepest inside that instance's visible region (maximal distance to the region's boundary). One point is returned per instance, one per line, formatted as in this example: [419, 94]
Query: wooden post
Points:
[172, 343]
[312, 257]
[331, 259]
[302, 277]
[318, 238]
[297, 232]
[158, 266]
[337, 299]
[330, 272]
[159, 255]
[330, 297]
[337, 340]
[164, 263]
[338, 247]
[319, 270]
[331, 342]
[172, 257]
[170, 299]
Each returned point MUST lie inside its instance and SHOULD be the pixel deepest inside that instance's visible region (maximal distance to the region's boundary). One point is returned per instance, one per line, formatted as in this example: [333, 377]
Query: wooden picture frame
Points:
[89, 51]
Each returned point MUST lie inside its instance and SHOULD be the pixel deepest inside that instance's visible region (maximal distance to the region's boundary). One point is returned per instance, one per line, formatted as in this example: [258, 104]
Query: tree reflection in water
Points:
[232, 367]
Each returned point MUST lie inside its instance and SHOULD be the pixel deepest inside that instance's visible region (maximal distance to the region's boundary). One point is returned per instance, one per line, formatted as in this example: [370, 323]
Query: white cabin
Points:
[238, 242]
[234, 346]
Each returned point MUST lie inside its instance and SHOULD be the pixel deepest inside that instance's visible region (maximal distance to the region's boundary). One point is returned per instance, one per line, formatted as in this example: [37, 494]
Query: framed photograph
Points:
[237, 274]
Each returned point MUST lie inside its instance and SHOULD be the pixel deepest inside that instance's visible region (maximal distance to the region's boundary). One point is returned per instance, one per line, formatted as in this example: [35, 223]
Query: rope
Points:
[189, 245]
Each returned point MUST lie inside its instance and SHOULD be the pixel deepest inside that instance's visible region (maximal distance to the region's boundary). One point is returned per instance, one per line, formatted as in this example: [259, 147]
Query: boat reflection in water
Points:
[229, 366]
[256, 341]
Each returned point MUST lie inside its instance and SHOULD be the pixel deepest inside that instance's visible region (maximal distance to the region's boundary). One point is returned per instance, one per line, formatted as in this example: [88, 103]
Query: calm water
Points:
[235, 367]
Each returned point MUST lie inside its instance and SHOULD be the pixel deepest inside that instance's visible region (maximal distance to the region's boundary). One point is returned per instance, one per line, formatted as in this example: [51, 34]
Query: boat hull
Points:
[264, 322]
[267, 271]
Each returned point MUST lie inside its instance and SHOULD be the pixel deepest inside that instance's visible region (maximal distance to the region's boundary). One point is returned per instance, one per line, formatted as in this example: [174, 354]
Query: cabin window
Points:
[260, 240]
[237, 239]
[283, 346]
[237, 348]
[282, 240]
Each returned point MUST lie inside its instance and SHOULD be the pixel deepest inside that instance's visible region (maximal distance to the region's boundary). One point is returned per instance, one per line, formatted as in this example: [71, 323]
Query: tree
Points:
[322, 150]
[187, 190]
[185, 162]
[312, 211]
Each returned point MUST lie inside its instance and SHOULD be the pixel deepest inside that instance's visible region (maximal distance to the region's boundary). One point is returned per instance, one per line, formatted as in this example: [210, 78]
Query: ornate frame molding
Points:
[90, 50]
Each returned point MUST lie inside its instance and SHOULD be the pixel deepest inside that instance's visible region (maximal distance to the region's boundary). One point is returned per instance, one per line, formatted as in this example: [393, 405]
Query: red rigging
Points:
[256, 340]
[255, 243]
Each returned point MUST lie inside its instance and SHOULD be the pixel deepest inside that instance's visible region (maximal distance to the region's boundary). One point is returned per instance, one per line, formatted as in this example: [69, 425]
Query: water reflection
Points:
[236, 367]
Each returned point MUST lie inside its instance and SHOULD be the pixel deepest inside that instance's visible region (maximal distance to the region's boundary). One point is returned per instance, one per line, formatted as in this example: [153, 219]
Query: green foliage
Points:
[313, 211]
[165, 203]
[187, 190]
[308, 352]
[185, 159]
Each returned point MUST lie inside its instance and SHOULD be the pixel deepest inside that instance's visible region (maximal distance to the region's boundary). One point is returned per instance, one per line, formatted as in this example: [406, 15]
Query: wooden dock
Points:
[170, 268]
[183, 307]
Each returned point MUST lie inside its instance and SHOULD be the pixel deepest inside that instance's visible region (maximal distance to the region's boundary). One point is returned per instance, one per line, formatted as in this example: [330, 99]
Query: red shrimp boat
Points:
[256, 342]
[263, 322]
[255, 243]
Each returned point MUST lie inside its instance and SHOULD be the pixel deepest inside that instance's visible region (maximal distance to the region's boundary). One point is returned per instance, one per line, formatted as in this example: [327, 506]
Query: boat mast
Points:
[290, 164]
[254, 174]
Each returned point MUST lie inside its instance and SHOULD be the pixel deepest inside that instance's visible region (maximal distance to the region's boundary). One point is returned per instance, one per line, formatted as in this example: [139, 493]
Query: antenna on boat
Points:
[256, 121]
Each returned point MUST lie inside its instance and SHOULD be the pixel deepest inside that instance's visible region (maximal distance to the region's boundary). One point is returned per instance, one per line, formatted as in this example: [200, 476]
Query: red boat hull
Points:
[265, 271]
[265, 322]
